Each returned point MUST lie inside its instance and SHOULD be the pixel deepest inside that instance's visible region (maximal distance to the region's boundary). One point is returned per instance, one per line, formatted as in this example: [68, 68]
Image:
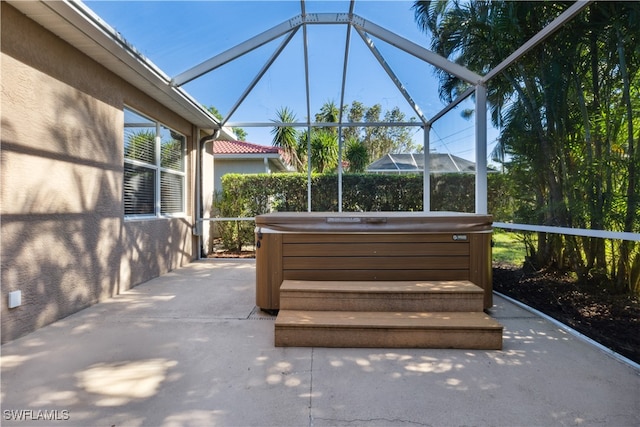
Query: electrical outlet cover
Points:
[15, 299]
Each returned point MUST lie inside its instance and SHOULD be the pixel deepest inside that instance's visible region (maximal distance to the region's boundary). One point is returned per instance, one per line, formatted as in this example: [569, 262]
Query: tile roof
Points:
[242, 147]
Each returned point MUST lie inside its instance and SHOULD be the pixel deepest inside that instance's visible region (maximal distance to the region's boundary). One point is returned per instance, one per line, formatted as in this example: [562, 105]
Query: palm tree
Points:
[551, 124]
[329, 113]
[286, 137]
[324, 151]
[324, 142]
[357, 155]
[479, 34]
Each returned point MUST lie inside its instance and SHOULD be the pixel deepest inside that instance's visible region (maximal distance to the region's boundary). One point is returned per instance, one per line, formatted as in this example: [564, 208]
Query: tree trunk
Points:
[626, 246]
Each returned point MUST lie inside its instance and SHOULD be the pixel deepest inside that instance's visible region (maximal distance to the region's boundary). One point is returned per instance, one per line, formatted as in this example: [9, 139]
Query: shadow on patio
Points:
[190, 349]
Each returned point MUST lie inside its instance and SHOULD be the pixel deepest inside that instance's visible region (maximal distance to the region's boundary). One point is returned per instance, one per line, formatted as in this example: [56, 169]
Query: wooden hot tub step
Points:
[425, 295]
[463, 330]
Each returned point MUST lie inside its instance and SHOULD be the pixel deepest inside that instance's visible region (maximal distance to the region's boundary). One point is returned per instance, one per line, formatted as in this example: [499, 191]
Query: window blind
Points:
[154, 158]
[139, 190]
[172, 193]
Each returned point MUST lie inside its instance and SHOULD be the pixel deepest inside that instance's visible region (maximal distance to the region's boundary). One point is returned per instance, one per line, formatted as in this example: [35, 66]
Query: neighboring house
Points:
[236, 157]
[88, 208]
[245, 157]
[414, 163]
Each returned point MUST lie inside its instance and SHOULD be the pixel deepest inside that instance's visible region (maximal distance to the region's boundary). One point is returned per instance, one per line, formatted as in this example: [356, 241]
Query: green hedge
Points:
[251, 195]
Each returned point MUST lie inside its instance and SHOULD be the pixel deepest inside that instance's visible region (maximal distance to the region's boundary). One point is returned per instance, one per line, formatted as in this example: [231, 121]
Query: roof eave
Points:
[246, 156]
[75, 23]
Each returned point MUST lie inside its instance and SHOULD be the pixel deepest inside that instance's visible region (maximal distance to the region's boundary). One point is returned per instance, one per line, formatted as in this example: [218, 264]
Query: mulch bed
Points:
[219, 251]
[612, 319]
[233, 254]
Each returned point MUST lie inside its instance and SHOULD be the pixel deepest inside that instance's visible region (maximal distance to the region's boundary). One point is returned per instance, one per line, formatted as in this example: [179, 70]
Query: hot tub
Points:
[371, 246]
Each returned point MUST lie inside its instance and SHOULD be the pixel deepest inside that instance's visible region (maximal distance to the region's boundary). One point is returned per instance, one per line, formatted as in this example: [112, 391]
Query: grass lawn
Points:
[508, 248]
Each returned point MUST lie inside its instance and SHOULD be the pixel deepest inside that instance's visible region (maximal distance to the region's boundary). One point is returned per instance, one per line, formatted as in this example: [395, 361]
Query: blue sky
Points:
[177, 35]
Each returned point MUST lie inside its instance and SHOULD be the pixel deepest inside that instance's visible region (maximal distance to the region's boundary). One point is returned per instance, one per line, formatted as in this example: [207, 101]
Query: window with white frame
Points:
[154, 167]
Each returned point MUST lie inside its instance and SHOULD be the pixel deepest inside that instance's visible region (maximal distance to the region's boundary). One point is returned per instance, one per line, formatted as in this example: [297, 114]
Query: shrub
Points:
[255, 194]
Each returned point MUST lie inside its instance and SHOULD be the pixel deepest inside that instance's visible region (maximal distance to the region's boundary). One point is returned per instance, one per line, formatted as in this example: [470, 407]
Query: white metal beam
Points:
[426, 171]
[264, 69]
[601, 234]
[481, 150]
[344, 84]
[383, 63]
[453, 104]
[308, 93]
[320, 124]
[416, 50]
[548, 30]
[327, 18]
[236, 51]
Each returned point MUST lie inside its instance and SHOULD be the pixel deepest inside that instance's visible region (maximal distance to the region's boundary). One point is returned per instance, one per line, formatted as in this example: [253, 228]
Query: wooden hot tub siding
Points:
[371, 255]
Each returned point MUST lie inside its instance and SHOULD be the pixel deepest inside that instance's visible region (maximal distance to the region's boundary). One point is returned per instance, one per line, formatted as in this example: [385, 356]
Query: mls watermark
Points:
[36, 415]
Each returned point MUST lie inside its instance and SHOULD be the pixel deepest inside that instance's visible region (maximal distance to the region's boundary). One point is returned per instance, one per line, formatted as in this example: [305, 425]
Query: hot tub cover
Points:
[382, 222]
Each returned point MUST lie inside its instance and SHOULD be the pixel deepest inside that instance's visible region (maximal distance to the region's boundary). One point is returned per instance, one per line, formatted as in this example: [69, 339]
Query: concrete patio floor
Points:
[190, 349]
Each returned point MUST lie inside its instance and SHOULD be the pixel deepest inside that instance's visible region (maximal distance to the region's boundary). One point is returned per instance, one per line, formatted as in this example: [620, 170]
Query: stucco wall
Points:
[225, 166]
[65, 243]
[222, 167]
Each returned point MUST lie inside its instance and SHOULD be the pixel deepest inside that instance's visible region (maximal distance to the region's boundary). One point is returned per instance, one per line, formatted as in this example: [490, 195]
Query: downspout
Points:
[198, 227]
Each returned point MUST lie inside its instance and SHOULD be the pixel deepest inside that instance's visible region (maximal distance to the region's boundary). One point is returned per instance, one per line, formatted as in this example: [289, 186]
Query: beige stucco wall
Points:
[225, 166]
[65, 243]
[218, 167]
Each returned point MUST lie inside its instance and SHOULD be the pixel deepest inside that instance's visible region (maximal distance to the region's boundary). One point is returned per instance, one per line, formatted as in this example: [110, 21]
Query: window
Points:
[154, 167]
